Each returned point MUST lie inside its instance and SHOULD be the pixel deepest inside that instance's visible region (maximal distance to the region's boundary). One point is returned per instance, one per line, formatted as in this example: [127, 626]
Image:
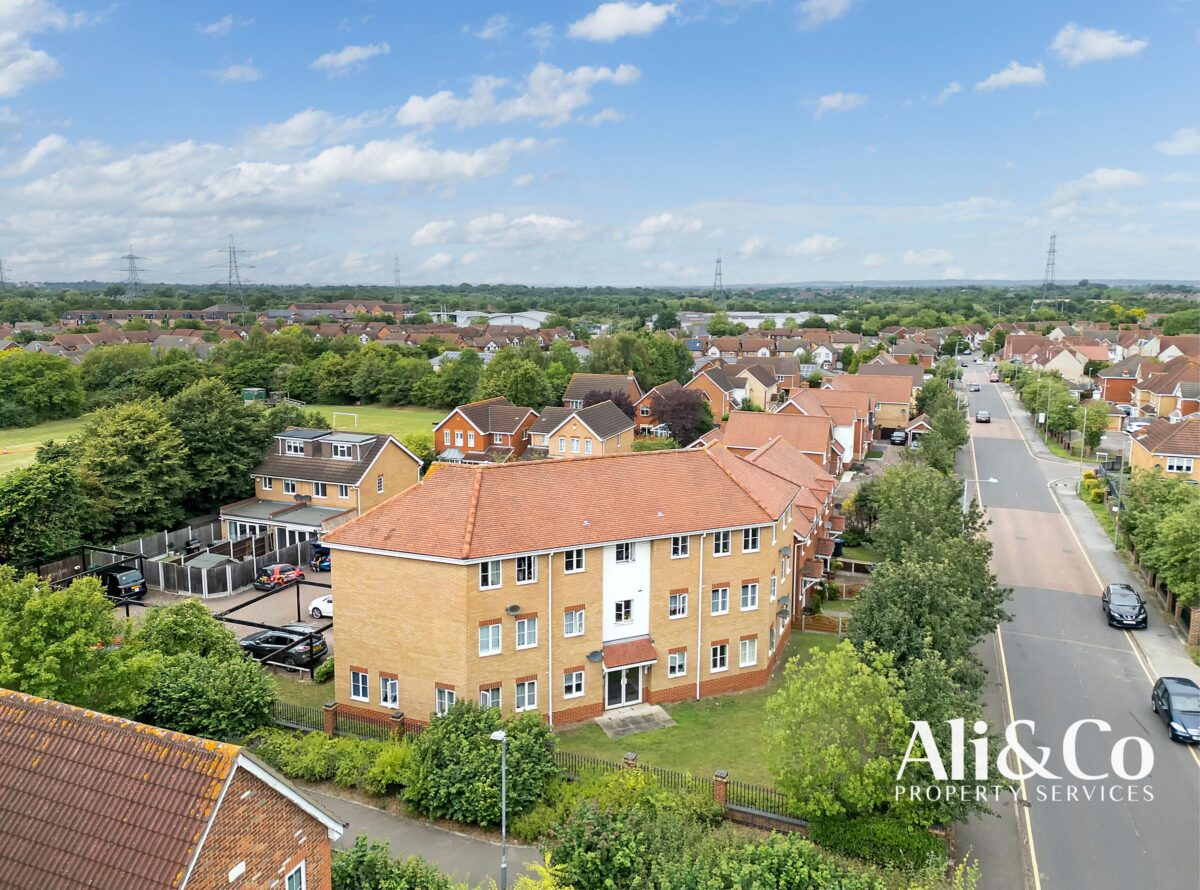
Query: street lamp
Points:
[500, 736]
[966, 485]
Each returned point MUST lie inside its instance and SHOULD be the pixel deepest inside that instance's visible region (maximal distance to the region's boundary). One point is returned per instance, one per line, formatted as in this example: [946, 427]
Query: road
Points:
[1057, 662]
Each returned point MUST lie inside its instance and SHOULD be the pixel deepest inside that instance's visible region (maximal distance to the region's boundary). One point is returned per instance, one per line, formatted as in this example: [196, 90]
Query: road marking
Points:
[1022, 633]
[1143, 661]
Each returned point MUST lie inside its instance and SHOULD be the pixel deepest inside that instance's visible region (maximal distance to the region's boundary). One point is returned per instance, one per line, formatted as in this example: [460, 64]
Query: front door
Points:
[622, 686]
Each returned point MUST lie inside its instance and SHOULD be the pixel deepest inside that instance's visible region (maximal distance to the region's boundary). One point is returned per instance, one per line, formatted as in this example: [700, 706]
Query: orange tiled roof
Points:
[883, 388]
[629, 652]
[751, 429]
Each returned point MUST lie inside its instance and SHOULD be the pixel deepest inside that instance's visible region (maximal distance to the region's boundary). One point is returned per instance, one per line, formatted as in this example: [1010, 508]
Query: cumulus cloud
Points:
[45, 147]
[1182, 142]
[524, 180]
[239, 72]
[541, 36]
[549, 94]
[974, 207]
[647, 234]
[523, 231]
[308, 127]
[612, 21]
[604, 116]
[814, 13]
[219, 28]
[947, 91]
[1077, 46]
[814, 247]
[1015, 74]
[930, 256]
[21, 63]
[873, 260]
[437, 262]
[494, 28]
[837, 102]
[435, 232]
[1069, 195]
[348, 58]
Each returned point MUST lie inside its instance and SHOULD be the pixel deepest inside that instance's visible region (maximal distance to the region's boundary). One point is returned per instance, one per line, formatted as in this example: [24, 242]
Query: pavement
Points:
[621, 722]
[461, 856]
[1057, 662]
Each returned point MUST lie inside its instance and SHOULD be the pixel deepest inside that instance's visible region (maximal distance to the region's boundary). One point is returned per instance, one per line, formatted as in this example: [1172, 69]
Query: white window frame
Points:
[573, 684]
[470, 438]
[748, 535]
[343, 492]
[747, 647]
[458, 438]
[573, 561]
[345, 451]
[531, 566]
[677, 664]
[749, 597]
[497, 438]
[443, 701]
[527, 628]
[722, 543]
[772, 641]
[681, 547]
[289, 486]
[578, 621]
[574, 444]
[1179, 464]
[293, 447]
[267, 483]
[718, 655]
[623, 607]
[445, 437]
[492, 636]
[379, 484]
[677, 605]
[485, 697]
[529, 688]
[562, 444]
[302, 872]
[495, 578]
[320, 490]
[719, 594]
[629, 552]
[774, 587]
[360, 679]
[389, 692]
[587, 446]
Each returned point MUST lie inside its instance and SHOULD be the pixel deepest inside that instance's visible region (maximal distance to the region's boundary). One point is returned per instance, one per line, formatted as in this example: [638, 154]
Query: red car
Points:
[995, 378]
[272, 577]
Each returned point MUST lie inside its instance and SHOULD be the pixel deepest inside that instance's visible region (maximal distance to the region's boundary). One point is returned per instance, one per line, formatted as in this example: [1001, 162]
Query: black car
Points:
[983, 417]
[122, 582]
[1177, 701]
[1123, 606]
[899, 437]
[266, 643]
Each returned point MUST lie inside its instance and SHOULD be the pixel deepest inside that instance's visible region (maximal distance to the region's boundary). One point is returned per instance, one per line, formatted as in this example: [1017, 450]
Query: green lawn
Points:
[862, 553]
[723, 732]
[377, 419]
[296, 689]
[874, 455]
[18, 445]
[1073, 454]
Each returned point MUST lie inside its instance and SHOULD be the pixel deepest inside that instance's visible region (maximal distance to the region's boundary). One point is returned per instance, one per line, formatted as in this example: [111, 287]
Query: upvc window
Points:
[749, 597]
[389, 692]
[526, 633]
[358, 686]
[680, 546]
[562, 444]
[677, 664]
[342, 451]
[677, 605]
[379, 484]
[774, 587]
[489, 698]
[296, 879]
[587, 446]
[443, 701]
[623, 611]
[573, 623]
[644, 410]
[293, 446]
[526, 569]
[771, 641]
[458, 437]
[470, 439]
[268, 483]
[720, 600]
[289, 486]
[719, 658]
[343, 491]
[489, 574]
[625, 552]
[747, 653]
[573, 561]
[319, 489]
[750, 540]
[526, 695]
[572, 684]
[722, 543]
[489, 639]
[497, 438]
[574, 444]
[1179, 464]
[445, 437]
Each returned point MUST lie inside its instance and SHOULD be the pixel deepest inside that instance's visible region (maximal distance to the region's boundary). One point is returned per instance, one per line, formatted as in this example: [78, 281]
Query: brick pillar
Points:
[720, 786]
[396, 725]
[329, 713]
[1194, 627]
[629, 761]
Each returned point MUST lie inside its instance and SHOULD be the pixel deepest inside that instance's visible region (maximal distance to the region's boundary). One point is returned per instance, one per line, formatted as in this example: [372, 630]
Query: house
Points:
[1068, 361]
[1183, 345]
[602, 428]
[1017, 345]
[647, 420]
[489, 430]
[1116, 382]
[810, 435]
[891, 397]
[850, 412]
[1171, 447]
[891, 369]
[92, 800]
[583, 385]
[1169, 390]
[915, 352]
[714, 384]
[917, 427]
[566, 588]
[756, 385]
[311, 481]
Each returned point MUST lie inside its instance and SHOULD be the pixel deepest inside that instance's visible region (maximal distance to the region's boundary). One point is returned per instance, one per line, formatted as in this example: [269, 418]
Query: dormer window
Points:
[342, 451]
[293, 446]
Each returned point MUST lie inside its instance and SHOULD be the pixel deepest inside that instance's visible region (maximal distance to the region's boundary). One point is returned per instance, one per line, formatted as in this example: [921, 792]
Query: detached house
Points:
[714, 384]
[489, 430]
[850, 412]
[1172, 390]
[602, 428]
[812, 436]
[312, 481]
[891, 398]
[1171, 447]
[92, 800]
[1118, 380]
[583, 385]
[648, 421]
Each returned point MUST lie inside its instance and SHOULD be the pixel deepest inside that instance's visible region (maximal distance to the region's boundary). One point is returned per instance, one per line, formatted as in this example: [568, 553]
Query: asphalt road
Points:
[1057, 661]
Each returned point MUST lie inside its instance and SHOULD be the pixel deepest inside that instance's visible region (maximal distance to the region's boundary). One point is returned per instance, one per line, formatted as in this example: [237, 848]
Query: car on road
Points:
[973, 387]
[1177, 701]
[979, 361]
[899, 437]
[320, 561]
[983, 417]
[273, 577]
[264, 644]
[1123, 606]
[995, 378]
[121, 582]
[321, 607]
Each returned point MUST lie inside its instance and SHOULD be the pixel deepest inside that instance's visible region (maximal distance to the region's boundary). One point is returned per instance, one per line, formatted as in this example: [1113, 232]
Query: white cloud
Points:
[472, 256]
[548, 94]
[1015, 74]
[244, 72]
[753, 246]
[930, 256]
[435, 232]
[307, 127]
[669, 267]
[1068, 196]
[647, 234]
[814, 13]
[873, 260]
[524, 180]
[838, 102]
[974, 207]
[437, 262]
[494, 28]
[948, 90]
[348, 58]
[814, 246]
[954, 272]
[1182, 142]
[605, 116]
[45, 147]
[219, 28]
[612, 21]
[523, 231]
[21, 64]
[541, 36]
[1076, 45]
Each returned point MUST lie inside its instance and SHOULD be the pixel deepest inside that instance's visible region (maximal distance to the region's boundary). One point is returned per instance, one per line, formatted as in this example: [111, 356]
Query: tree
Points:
[666, 320]
[1186, 321]
[63, 644]
[367, 866]
[814, 380]
[40, 511]
[35, 387]
[767, 324]
[110, 374]
[790, 323]
[1093, 418]
[914, 502]
[186, 627]
[620, 354]
[847, 356]
[171, 372]
[835, 729]
[1174, 554]
[420, 443]
[215, 697]
[670, 359]
[619, 397]
[523, 383]
[685, 412]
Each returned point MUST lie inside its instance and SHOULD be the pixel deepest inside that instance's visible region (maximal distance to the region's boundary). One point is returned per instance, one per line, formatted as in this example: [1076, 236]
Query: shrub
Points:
[455, 770]
[367, 866]
[187, 628]
[389, 771]
[881, 839]
[313, 758]
[534, 825]
[654, 443]
[1097, 497]
[324, 671]
[211, 697]
[353, 761]
[784, 862]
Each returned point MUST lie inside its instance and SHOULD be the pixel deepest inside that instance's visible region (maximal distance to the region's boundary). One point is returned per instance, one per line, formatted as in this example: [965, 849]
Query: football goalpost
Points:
[353, 423]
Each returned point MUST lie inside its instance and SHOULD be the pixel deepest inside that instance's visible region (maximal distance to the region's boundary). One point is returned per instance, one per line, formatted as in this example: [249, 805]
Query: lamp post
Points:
[966, 485]
[500, 736]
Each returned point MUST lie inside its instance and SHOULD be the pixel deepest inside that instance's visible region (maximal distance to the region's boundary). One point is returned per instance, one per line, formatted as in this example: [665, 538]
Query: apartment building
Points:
[569, 587]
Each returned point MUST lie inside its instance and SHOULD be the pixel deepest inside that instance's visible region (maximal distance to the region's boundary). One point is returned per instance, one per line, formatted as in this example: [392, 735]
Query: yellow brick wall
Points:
[891, 416]
[1140, 458]
[574, 429]
[399, 472]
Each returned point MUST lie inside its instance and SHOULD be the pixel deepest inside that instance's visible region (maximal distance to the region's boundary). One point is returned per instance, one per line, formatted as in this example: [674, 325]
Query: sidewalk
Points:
[460, 856]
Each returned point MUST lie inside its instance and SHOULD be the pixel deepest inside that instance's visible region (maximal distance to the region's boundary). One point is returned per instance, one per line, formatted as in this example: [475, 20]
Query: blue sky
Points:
[615, 143]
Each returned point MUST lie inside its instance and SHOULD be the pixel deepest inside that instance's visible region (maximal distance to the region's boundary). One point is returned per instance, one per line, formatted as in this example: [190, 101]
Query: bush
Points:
[324, 671]
[313, 758]
[187, 628]
[373, 767]
[455, 770]
[1097, 497]
[853, 538]
[881, 839]
[654, 443]
[783, 862]
[367, 866]
[353, 761]
[212, 697]
[388, 772]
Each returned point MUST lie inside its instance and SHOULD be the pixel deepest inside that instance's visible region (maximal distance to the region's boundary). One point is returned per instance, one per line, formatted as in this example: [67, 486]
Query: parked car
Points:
[1123, 606]
[899, 437]
[1136, 426]
[321, 607]
[979, 361]
[265, 643]
[973, 387]
[995, 378]
[121, 582]
[1125, 409]
[275, 576]
[320, 561]
[982, 417]
[1177, 701]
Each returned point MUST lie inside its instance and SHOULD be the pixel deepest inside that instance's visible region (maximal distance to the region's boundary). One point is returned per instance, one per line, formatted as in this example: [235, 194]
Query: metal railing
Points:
[757, 797]
[297, 716]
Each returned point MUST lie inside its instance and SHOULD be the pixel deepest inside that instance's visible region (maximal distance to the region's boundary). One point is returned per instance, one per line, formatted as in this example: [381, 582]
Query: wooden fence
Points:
[826, 624]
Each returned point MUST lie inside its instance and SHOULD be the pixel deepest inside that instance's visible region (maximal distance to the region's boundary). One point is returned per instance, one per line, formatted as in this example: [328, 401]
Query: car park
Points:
[121, 582]
[973, 387]
[899, 437]
[1123, 606]
[265, 644]
[275, 576]
[321, 607]
[983, 417]
[1176, 700]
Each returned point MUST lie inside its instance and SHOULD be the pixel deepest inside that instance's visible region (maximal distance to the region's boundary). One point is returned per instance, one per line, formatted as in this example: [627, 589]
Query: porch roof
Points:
[281, 513]
[629, 653]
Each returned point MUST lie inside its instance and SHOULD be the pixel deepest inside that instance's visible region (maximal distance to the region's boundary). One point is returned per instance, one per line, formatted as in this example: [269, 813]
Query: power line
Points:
[1048, 277]
[133, 284]
[718, 288]
[396, 278]
[233, 271]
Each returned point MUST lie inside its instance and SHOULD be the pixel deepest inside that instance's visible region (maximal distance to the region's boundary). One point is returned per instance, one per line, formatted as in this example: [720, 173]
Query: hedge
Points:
[880, 839]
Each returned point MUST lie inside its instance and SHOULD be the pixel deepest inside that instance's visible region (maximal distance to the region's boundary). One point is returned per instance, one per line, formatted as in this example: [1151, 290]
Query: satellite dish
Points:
[595, 656]
[513, 610]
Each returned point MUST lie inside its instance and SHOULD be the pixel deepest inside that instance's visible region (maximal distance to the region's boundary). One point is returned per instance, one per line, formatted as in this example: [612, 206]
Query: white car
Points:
[321, 607]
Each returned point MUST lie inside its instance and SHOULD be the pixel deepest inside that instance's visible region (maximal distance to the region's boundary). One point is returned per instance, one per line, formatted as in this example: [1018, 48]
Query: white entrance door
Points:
[622, 686]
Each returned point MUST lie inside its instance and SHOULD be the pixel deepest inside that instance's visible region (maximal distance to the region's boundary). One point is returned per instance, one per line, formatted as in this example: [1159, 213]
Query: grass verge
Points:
[379, 419]
[297, 690]
[861, 553]
[18, 446]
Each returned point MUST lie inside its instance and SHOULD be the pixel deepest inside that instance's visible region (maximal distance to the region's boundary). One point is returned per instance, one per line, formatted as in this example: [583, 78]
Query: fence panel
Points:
[676, 780]
[297, 716]
[757, 797]
[580, 766]
[365, 729]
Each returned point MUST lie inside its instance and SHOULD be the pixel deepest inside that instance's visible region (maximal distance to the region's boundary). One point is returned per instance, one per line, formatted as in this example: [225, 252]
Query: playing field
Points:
[19, 445]
[376, 419]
